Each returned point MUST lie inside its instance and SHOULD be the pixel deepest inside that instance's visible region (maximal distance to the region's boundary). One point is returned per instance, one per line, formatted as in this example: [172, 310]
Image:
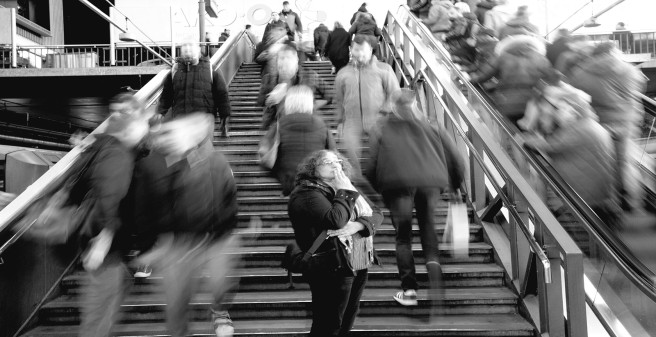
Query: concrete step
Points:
[401, 325]
[295, 304]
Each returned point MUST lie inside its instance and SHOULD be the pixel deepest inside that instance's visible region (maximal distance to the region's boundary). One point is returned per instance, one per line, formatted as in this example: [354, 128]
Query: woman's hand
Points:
[351, 228]
[342, 182]
[98, 250]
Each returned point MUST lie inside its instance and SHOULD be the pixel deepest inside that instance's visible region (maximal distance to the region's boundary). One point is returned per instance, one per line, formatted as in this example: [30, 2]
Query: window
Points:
[37, 11]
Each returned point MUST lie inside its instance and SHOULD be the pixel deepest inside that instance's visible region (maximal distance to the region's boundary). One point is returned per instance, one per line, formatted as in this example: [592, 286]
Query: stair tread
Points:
[494, 324]
[290, 231]
[279, 249]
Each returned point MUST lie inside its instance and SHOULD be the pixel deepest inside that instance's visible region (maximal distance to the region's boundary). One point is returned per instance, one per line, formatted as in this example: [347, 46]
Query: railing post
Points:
[171, 15]
[14, 47]
[112, 40]
[476, 174]
[552, 319]
[575, 295]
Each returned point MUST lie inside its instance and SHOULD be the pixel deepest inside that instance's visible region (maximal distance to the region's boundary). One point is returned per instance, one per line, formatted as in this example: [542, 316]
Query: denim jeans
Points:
[400, 203]
[102, 297]
[335, 301]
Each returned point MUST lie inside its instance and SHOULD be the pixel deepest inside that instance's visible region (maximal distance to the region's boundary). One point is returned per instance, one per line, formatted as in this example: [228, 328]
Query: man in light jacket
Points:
[362, 91]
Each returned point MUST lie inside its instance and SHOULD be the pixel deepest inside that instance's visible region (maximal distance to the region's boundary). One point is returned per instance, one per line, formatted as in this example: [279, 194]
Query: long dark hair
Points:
[307, 169]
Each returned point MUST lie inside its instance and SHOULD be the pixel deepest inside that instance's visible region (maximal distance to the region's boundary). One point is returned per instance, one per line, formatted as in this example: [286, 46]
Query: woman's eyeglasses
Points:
[330, 162]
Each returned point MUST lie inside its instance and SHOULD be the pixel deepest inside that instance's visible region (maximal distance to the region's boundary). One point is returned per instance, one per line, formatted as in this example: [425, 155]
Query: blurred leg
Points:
[102, 298]
[399, 203]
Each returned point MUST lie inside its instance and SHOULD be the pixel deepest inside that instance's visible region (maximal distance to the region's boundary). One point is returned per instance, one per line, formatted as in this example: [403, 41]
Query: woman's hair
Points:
[307, 169]
[299, 99]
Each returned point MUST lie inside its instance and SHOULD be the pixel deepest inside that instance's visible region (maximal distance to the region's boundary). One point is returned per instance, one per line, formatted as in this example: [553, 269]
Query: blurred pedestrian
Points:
[496, 17]
[321, 34]
[186, 193]
[615, 87]
[519, 25]
[293, 21]
[194, 86]
[325, 199]
[482, 8]
[365, 25]
[419, 8]
[363, 91]
[439, 17]
[289, 73]
[301, 133]
[361, 9]
[108, 180]
[224, 35]
[412, 162]
[337, 47]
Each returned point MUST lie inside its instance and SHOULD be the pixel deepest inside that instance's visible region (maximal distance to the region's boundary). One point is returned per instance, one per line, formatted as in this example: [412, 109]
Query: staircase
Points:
[477, 300]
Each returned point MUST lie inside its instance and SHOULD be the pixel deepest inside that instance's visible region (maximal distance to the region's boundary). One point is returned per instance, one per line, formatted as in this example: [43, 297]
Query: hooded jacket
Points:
[518, 26]
[192, 88]
[365, 25]
[362, 92]
[362, 9]
[613, 86]
[300, 135]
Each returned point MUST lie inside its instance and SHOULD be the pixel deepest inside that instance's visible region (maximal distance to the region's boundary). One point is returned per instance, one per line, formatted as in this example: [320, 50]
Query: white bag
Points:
[457, 229]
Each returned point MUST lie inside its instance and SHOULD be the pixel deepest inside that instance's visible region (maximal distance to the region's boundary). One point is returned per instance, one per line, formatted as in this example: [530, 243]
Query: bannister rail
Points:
[238, 49]
[629, 42]
[533, 228]
[95, 55]
[535, 169]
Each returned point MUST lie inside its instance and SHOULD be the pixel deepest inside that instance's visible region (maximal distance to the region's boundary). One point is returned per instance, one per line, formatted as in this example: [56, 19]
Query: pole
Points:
[599, 14]
[171, 15]
[108, 19]
[14, 47]
[112, 42]
[201, 20]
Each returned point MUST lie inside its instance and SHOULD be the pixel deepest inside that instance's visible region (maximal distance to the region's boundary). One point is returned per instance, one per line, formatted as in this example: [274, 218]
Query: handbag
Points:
[268, 150]
[334, 259]
[57, 216]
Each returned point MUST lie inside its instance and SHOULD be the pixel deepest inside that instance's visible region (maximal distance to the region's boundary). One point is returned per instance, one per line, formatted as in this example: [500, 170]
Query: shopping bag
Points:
[457, 229]
[268, 150]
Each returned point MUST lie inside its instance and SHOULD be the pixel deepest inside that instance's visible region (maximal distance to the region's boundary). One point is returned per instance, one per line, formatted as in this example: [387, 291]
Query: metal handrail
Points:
[148, 95]
[597, 228]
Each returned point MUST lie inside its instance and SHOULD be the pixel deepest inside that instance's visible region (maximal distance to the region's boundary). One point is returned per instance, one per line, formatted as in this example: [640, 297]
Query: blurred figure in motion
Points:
[108, 180]
[419, 8]
[411, 163]
[321, 34]
[301, 133]
[289, 73]
[439, 17]
[366, 25]
[614, 87]
[519, 66]
[266, 52]
[325, 199]
[580, 149]
[362, 91]
[519, 25]
[186, 193]
[293, 21]
[193, 86]
[361, 10]
[337, 47]
[498, 15]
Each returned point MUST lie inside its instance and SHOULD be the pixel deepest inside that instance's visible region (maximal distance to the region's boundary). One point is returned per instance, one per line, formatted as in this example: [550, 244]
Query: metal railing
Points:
[616, 282]
[238, 49]
[94, 55]
[531, 228]
[629, 42]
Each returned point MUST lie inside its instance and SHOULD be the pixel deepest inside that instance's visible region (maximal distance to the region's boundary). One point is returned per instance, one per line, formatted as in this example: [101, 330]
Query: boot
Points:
[224, 127]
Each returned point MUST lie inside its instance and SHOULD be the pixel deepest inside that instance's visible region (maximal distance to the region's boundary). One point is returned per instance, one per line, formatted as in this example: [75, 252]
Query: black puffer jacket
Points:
[300, 135]
[337, 47]
[193, 88]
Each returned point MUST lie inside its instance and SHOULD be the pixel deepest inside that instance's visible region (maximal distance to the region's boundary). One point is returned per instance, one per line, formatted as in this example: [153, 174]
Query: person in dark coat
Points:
[293, 21]
[194, 86]
[559, 46]
[108, 179]
[362, 9]
[325, 199]
[274, 85]
[365, 25]
[276, 22]
[411, 163]
[186, 194]
[337, 47]
[225, 35]
[301, 133]
[321, 34]
[519, 25]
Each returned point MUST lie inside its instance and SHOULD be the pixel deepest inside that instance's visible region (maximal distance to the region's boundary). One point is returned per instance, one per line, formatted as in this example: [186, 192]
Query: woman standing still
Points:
[325, 199]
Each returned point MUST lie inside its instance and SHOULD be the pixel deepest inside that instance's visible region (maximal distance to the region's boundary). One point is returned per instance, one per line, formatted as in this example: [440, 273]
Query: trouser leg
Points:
[330, 297]
[400, 203]
[102, 298]
[353, 305]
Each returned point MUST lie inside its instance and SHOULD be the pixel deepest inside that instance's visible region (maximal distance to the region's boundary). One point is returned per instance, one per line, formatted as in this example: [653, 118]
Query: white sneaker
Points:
[407, 298]
[143, 272]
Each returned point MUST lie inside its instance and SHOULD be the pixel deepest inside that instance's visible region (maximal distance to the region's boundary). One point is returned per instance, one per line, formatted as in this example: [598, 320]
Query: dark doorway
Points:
[82, 25]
